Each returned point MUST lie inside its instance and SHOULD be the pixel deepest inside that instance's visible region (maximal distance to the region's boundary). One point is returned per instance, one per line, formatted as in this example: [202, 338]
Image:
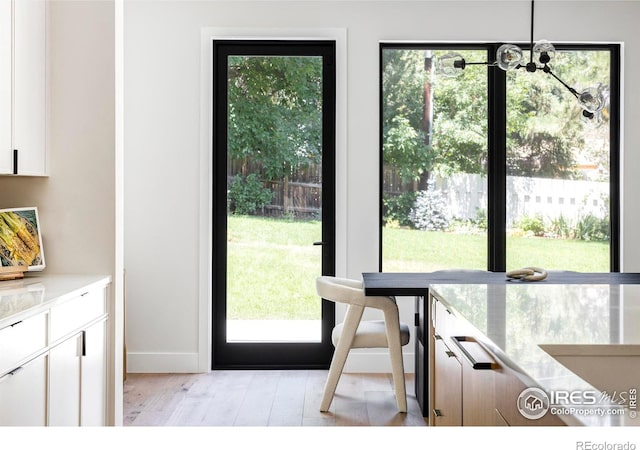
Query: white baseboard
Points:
[162, 362]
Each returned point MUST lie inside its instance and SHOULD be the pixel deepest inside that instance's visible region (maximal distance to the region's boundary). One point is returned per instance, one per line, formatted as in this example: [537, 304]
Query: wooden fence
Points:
[298, 196]
[394, 185]
[295, 199]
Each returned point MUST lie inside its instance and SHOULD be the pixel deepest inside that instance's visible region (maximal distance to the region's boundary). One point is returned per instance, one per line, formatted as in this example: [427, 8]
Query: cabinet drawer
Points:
[445, 322]
[22, 339]
[77, 312]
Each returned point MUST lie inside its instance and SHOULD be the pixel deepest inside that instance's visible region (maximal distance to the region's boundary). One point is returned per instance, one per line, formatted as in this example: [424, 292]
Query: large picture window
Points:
[497, 170]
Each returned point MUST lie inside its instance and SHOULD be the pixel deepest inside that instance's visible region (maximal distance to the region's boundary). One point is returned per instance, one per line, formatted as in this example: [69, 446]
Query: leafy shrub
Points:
[476, 225]
[480, 222]
[534, 225]
[397, 209]
[561, 228]
[430, 211]
[592, 228]
[247, 194]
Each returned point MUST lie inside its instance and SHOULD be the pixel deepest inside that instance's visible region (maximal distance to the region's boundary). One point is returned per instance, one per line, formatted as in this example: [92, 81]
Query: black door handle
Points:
[319, 243]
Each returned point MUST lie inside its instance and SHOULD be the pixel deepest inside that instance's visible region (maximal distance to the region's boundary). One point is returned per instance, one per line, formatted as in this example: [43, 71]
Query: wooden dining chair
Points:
[356, 333]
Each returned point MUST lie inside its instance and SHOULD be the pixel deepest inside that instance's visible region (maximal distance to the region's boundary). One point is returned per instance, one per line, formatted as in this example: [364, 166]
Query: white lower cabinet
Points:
[77, 379]
[93, 391]
[53, 364]
[23, 394]
[64, 382]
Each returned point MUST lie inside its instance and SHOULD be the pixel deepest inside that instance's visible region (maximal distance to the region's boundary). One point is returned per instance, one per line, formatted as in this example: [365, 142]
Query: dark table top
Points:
[412, 284]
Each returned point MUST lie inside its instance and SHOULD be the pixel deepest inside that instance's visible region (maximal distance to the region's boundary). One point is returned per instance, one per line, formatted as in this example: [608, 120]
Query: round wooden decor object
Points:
[527, 274]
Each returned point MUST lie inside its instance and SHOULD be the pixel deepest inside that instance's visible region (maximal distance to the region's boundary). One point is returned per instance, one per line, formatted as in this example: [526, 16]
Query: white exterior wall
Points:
[165, 168]
[547, 197]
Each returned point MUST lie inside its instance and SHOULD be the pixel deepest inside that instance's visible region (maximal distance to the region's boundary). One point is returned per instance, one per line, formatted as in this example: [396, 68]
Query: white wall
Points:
[163, 97]
[78, 202]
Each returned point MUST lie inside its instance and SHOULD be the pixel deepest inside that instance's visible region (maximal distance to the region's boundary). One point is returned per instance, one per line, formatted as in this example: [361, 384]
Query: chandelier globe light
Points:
[511, 57]
[508, 57]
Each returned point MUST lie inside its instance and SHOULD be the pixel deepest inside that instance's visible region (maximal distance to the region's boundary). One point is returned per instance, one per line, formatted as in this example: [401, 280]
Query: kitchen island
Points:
[518, 347]
[530, 334]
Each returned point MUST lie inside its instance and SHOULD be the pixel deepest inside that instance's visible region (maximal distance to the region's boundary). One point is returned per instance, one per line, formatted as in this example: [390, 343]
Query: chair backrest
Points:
[344, 290]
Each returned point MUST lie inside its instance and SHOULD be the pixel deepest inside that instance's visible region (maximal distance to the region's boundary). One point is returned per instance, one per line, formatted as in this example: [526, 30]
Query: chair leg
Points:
[392, 326]
[349, 328]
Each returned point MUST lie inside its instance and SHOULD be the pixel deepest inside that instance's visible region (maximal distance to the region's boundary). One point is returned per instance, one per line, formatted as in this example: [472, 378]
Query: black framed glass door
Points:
[273, 202]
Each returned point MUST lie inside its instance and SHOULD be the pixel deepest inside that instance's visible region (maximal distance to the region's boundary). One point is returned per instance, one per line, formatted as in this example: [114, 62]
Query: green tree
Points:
[404, 141]
[275, 112]
[541, 134]
[460, 119]
[406, 150]
[544, 132]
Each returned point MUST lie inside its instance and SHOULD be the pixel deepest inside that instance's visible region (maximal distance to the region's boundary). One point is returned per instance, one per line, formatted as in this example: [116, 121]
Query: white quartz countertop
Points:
[516, 318]
[20, 299]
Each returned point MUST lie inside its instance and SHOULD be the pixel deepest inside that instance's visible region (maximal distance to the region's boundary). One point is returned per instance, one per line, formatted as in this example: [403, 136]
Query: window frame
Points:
[497, 145]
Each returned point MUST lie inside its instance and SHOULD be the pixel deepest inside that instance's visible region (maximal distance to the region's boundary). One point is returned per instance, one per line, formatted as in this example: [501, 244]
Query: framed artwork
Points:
[20, 240]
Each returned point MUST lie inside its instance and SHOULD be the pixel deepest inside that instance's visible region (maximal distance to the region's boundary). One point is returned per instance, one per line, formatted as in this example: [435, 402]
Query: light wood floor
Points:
[264, 398]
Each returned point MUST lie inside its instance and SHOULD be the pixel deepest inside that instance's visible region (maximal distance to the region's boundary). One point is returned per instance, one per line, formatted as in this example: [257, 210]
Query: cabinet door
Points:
[64, 382]
[29, 86]
[478, 384]
[508, 388]
[23, 394]
[448, 387]
[6, 69]
[94, 376]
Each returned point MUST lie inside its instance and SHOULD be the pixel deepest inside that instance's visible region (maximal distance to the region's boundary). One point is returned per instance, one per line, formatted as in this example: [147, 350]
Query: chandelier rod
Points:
[531, 40]
[547, 69]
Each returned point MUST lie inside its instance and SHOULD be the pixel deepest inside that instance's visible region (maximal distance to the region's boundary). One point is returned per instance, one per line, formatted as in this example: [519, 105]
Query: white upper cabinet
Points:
[23, 56]
[6, 71]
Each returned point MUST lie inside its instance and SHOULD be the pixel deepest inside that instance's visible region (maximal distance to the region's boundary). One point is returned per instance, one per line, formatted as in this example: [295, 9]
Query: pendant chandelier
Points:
[510, 57]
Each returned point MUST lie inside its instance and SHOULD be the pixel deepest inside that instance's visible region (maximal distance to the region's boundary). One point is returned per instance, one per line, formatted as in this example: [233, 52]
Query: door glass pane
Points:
[558, 168]
[434, 163]
[274, 198]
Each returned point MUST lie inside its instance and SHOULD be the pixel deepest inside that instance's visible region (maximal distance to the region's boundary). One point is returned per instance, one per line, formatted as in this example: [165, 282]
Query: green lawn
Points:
[272, 267]
[273, 263]
[414, 251]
